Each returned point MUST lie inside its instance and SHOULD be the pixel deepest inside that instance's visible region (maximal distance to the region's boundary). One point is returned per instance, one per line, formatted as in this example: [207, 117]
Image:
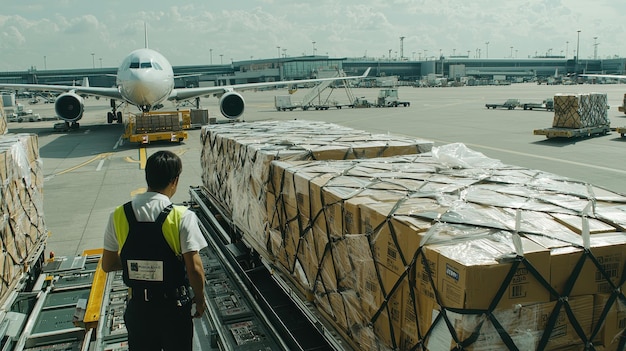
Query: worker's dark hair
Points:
[162, 168]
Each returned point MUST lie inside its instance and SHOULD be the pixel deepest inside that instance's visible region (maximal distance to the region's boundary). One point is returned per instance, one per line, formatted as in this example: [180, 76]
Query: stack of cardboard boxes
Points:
[580, 110]
[22, 228]
[157, 123]
[3, 121]
[236, 160]
[436, 249]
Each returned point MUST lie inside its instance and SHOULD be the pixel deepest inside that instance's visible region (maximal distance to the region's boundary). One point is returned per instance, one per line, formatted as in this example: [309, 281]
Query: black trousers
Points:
[158, 325]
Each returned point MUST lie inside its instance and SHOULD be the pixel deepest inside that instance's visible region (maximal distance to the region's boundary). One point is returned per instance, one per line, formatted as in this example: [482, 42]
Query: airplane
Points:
[612, 76]
[146, 79]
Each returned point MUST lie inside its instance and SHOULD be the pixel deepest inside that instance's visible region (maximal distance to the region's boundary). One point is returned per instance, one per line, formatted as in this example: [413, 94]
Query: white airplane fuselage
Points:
[145, 78]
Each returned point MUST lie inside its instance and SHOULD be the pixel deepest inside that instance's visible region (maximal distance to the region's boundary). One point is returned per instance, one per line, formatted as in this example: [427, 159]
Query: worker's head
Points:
[162, 171]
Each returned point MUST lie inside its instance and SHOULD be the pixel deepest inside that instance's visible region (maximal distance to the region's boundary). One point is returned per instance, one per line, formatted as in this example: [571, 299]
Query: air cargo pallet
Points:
[157, 126]
[282, 308]
[556, 132]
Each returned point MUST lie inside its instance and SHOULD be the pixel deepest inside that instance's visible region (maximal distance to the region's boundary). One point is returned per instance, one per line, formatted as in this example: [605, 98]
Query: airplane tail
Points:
[85, 82]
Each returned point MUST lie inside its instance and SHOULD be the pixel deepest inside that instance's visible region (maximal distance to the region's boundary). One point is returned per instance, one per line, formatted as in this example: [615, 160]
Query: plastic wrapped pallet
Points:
[236, 159]
[580, 110]
[3, 121]
[396, 251]
[22, 228]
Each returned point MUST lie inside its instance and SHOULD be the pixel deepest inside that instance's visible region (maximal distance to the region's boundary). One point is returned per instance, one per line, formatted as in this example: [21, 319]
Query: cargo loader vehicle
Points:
[509, 104]
[148, 127]
[547, 105]
[389, 98]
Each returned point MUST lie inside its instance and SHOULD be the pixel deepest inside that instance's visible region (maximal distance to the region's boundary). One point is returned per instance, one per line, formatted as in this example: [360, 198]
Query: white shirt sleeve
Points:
[191, 238]
[110, 239]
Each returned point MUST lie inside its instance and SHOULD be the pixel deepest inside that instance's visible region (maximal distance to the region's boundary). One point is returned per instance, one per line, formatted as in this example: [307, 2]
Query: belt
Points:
[181, 295]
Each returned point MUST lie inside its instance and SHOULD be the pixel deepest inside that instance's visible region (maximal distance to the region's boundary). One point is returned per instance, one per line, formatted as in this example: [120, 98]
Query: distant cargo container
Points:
[8, 100]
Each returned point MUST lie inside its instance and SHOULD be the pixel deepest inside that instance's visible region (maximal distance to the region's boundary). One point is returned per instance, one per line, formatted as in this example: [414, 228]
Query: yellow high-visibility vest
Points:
[170, 227]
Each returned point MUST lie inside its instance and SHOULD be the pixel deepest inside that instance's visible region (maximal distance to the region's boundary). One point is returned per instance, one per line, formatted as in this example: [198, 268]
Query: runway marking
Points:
[547, 158]
[99, 165]
[550, 159]
[95, 158]
[119, 143]
[142, 157]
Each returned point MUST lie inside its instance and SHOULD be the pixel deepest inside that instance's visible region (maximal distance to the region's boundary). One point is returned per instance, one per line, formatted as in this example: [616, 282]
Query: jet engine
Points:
[69, 106]
[232, 105]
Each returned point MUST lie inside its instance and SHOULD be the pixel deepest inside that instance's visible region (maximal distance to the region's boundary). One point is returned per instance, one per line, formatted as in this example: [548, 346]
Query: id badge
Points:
[145, 270]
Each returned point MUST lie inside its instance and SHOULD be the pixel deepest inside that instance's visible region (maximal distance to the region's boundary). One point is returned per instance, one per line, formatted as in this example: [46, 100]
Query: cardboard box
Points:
[470, 272]
[610, 251]
[393, 232]
[524, 324]
[613, 324]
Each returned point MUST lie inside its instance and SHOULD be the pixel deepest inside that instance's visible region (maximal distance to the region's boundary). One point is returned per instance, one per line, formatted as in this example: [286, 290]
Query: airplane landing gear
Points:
[115, 115]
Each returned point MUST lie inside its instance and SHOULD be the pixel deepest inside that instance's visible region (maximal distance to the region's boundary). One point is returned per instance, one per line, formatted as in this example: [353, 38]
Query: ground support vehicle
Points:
[389, 98]
[547, 105]
[361, 103]
[284, 103]
[557, 132]
[147, 127]
[20, 115]
[509, 104]
[621, 131]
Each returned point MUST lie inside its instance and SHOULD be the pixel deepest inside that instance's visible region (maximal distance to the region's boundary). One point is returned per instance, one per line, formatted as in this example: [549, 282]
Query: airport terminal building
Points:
[290, 68]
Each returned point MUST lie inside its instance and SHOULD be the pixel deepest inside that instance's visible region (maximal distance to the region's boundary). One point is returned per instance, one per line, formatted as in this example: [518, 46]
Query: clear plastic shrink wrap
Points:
[22, 228]
[448, 249]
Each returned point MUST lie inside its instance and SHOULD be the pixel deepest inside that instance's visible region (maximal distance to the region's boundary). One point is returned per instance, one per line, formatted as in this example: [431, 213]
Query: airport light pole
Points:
[487, 51]
[566, 48]
[211, 56]
[93, 60]
[313, 48]
[100, 62]
[221, 61]
[45, 67]
[577, 52]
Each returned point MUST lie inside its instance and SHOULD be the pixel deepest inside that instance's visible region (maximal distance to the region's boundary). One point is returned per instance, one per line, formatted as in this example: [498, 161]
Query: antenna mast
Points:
[145, 31]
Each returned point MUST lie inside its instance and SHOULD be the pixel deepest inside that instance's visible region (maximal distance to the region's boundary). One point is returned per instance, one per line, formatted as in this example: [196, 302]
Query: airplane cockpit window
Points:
[146, 65]
[134, 64]
[157, 66]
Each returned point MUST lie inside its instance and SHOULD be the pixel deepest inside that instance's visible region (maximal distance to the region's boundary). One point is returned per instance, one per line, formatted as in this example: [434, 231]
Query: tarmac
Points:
[90, 171]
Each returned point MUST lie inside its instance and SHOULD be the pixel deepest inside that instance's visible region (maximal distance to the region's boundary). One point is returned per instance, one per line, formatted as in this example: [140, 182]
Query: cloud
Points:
[188, 32]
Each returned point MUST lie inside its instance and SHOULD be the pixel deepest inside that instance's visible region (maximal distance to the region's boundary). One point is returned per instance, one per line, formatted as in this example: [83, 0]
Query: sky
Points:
[66, 34]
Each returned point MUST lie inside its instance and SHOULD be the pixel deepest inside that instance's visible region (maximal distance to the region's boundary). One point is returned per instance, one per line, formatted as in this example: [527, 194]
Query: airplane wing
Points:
[614, 76]
[95, 91]
[189, 93]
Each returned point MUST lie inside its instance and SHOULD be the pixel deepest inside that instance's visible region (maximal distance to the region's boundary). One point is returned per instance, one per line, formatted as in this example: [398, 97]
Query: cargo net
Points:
[580, 110]
[236, 159]
[452, 250]
[3, 121]
[22, 228]
[157, 123]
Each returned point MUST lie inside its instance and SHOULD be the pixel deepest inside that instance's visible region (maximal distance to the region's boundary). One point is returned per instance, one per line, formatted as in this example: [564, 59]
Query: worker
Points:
[156, 246]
